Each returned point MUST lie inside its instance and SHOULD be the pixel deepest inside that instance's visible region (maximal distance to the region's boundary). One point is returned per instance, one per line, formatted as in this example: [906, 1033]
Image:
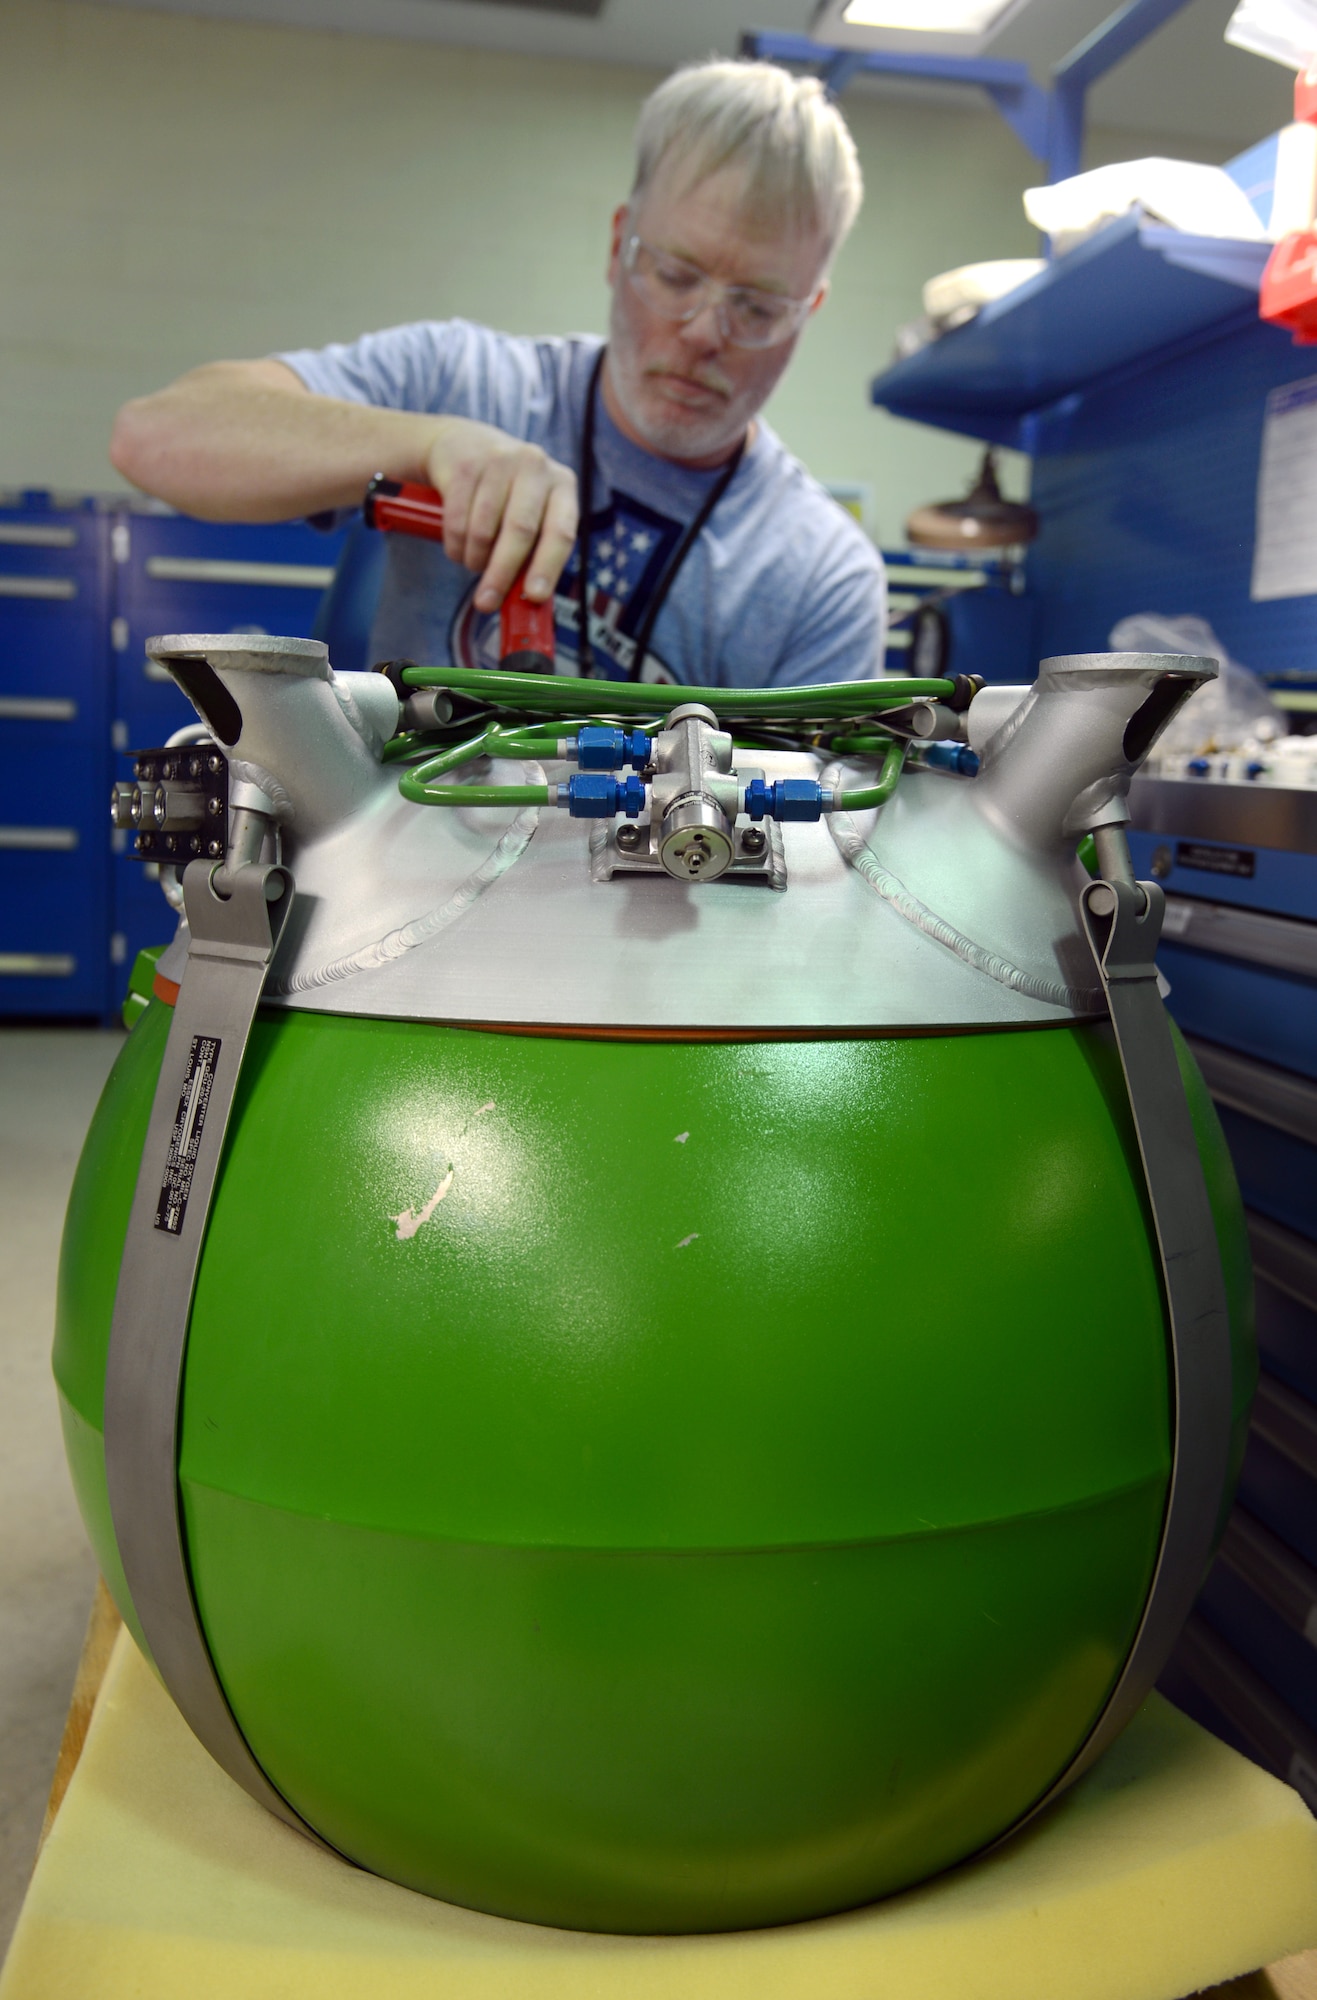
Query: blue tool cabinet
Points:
[83, 585]
[1139, 385]
[54, 758]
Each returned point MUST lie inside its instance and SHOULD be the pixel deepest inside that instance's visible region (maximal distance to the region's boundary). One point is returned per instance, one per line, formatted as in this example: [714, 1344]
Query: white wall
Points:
[173, 189]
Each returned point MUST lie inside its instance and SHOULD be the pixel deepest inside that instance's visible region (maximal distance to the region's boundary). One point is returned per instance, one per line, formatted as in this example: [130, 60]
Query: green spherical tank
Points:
[655, 1478]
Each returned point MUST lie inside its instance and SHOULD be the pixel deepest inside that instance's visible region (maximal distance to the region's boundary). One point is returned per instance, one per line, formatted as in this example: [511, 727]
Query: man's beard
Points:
[694, 434]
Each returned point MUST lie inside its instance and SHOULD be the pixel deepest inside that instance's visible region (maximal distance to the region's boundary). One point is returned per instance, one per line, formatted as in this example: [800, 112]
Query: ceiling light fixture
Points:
[946, 27]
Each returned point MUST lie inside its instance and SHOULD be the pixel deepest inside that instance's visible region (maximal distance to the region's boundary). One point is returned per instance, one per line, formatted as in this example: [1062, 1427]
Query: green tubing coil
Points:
[562, 694]
[865, 796]
[419, 785]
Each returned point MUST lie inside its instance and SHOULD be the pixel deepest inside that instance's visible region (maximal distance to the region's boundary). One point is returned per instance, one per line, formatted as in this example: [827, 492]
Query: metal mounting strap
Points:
[1123, 921]
[232, 943]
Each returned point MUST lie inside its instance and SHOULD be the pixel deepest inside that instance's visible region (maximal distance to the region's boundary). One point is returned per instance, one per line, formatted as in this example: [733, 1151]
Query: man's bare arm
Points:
[247, 441]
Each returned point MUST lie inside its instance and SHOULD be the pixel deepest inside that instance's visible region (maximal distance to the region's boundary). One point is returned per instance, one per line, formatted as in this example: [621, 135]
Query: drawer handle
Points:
[40, 839]
[37, 965]
[37, 586]
[198, 569]
[24, 537]
[36, 708]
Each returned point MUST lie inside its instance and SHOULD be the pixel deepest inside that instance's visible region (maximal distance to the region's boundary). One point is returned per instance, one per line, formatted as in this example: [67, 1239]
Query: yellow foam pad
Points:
[1172, 1865]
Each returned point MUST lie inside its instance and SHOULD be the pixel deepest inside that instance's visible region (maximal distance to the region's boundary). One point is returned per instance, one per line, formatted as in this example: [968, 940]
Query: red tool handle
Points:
[403, 507]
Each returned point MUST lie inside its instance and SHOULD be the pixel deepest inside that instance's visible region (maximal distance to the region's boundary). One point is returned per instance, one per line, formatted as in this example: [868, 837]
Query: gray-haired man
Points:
[678, 538]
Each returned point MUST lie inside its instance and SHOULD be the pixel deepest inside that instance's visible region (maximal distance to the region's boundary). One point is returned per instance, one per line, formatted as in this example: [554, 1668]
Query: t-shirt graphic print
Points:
[631, 546]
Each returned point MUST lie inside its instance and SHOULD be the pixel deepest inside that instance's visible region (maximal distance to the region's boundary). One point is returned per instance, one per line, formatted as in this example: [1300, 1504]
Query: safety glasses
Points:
[679, 291]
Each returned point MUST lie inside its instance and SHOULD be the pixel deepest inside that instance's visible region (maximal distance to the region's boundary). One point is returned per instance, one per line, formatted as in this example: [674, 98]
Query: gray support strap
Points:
[1123, 921]
[232, 943]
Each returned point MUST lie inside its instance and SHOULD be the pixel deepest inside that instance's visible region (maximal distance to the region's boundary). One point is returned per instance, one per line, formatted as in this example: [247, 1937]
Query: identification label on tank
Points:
[185, 1140]
[1239, 861]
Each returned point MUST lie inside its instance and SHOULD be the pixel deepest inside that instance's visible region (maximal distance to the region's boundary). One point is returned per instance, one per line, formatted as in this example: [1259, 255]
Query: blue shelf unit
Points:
[1086, 322]
[1088, 319]
[1136, 375]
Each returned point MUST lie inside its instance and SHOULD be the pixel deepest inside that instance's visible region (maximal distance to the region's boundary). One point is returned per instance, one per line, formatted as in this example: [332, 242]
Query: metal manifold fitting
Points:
[177, 805]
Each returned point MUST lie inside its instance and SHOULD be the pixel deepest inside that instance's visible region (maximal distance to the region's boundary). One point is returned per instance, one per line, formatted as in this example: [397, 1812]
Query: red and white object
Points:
[404, 507]
[1288, 294]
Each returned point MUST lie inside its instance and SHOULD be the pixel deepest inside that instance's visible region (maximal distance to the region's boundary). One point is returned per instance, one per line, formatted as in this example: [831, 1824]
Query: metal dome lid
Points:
[953, 905]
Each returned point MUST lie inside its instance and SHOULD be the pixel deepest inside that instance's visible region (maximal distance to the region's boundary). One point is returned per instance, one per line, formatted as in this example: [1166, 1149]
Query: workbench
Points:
[1172, 1864]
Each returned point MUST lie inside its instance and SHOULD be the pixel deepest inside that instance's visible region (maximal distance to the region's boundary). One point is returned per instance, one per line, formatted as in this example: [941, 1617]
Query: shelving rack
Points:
[1135, 372]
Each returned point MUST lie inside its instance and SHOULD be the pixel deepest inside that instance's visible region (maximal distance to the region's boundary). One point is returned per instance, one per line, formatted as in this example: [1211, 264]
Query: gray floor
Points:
[50, 1079]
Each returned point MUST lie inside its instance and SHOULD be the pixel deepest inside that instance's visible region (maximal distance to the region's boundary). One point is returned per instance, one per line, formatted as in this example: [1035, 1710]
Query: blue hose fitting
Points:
[596, 747]
[948, 756]
[788, 798]
[595, 795]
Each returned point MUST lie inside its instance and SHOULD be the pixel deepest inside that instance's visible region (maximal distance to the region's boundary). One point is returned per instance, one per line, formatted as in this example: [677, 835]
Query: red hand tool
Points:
[402, 507]
[1288, 293]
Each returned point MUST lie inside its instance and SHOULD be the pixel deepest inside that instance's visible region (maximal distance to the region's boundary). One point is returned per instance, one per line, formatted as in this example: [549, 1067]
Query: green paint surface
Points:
[658, 1486]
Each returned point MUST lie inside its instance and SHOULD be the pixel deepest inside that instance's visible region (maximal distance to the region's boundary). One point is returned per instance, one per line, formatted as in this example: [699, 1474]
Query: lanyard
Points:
[659, 595]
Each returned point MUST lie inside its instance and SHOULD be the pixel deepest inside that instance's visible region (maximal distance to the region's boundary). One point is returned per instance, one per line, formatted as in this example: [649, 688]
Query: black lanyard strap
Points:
[659, 595]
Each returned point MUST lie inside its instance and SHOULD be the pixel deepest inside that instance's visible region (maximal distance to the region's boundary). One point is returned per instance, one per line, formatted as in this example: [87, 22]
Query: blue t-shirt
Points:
[782, 586]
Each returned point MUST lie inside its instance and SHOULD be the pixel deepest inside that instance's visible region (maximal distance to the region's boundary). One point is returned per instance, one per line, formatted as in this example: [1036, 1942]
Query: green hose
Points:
[419, 788]
[564, 695]
[875, 795]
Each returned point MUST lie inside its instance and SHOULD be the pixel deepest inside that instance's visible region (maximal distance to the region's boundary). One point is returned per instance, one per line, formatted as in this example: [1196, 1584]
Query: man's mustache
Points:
[718, 384]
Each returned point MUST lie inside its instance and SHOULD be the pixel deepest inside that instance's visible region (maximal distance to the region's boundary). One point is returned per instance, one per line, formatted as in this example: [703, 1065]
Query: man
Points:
[677, 537]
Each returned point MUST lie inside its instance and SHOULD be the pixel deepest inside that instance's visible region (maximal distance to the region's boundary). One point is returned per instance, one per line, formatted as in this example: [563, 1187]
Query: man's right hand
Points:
[504, 502]
[247, 441]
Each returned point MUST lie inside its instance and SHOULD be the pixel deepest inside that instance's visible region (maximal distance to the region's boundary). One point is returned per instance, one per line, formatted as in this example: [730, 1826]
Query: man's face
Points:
[683, 390]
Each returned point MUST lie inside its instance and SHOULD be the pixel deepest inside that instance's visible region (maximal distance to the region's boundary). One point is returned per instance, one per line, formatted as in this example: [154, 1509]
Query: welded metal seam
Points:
[397, 943]
[853, 848]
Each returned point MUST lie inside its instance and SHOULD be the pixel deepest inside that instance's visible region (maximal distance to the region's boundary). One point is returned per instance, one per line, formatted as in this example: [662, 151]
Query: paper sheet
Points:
[1285, 545]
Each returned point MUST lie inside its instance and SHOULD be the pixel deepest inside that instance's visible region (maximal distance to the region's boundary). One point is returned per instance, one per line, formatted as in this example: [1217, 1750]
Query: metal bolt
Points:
[1101, 900]
[213, 764]
[167, 768]
[170, 843]
[754, 840]
[215, 805]
[693, 852]
[629, 838]
[195, 844]
[214, 849]
[1162, 862]
[194, 767]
